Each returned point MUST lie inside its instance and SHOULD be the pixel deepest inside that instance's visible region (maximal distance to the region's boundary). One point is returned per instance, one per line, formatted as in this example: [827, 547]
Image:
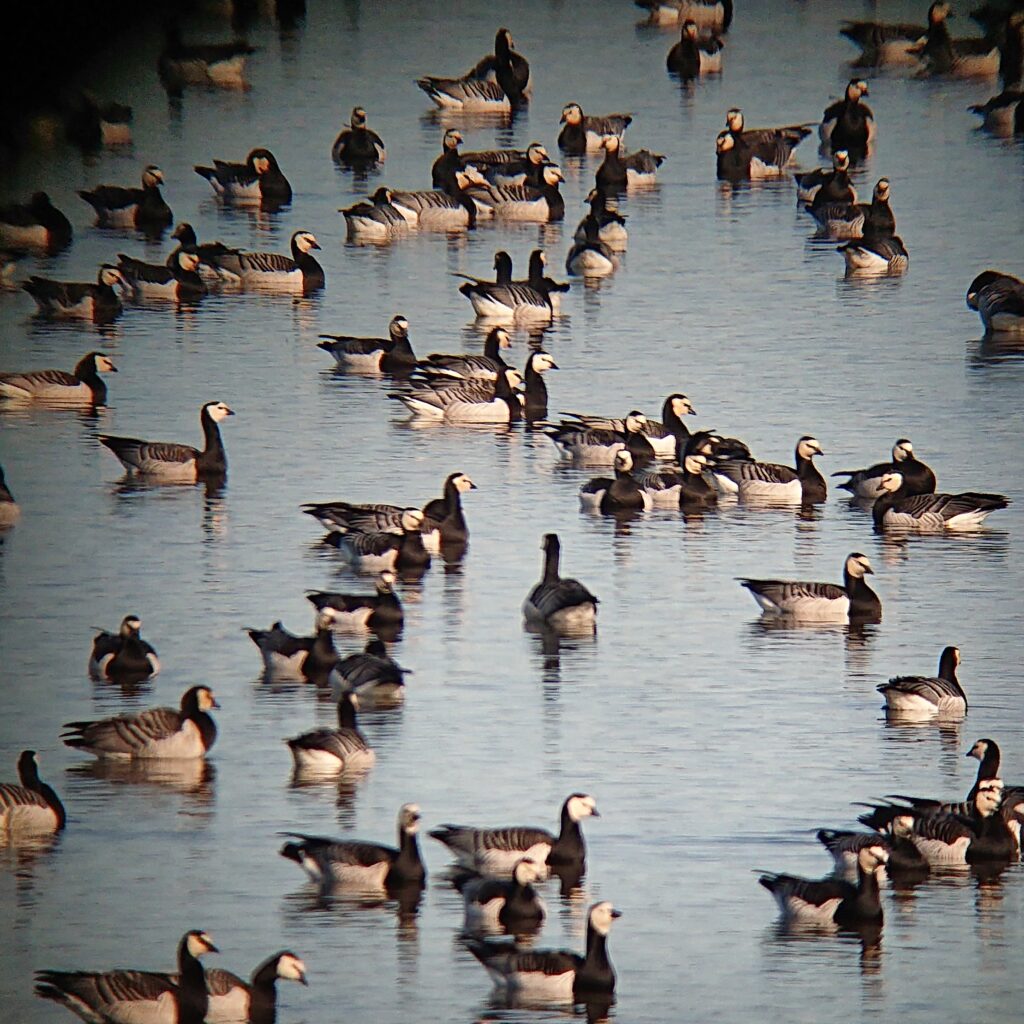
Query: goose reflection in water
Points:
[191, 777]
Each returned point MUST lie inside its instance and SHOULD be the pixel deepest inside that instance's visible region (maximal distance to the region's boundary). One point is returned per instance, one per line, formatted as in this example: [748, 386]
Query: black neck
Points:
[212, 456]
[192, 997]
[347, 712]
[551, 555]
[989, 767]
[409, 861]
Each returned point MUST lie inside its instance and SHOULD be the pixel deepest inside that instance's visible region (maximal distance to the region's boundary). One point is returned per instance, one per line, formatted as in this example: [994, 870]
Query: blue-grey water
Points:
[714, 746]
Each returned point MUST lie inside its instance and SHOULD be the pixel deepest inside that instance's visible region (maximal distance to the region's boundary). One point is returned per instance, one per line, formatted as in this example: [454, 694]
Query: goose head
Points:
[303, 241]
[130, 625]
[204, 698]
[399, 326]
[891, 482]
[611, 143]
[412, 520]
[290, 968]
[184, 233]
[725, 142]
[840, 160]
[681, 405]
[536, 153]
[871, 858]
[552, 175]
[882, 190]
[980, 749]
[634, 422]
[188, 261]
[989, 797]
[983, 280]
[527, 871]
[102, 363]
[541, 362]
[580, 805]
[386, 582]
[152, 176]
[198, 943]
[858, 566]
[502, 338]
[938, 13]
[689, 29]
[902, 450]
[623, 461]
[807, 447]
[217, 411]
[261, 161]
[358, 118]
[695, 464]
[601, 916]
[109, 276]
[734, 119]
[572, 113]
[452, 140]
[461, 482]
[409, 819]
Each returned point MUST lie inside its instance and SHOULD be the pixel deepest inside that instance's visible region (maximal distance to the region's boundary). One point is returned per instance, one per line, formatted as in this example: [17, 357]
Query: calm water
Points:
[714, 746]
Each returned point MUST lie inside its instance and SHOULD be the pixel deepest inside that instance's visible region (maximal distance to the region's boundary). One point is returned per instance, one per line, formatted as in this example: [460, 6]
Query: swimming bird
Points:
[809, 183]
[508, 166]
[90, 123]
[377, 550]
[357, 144]
[208, 252]
[591, 257]
[9, 511]
[855, 220]
[498, 904]
[884, 44]
[309, 658]
[474, 92]
[271, 270]
[926, 696]
[661, 436]
[221, 65]
[583, 133]
[553, 974]
[123, 656]
[918, 478]
[377, 219]
[509, 69]
[444, 168]
[471, 401]
[372, 675]
[845, 847]
[471, 367]
[576, 439]
[373, 355]
[143, 208]
[694, 55]
[362, 865]
[258, 180]
[999, 300]
[611, 225]
[35, 225]
[176, 462]
[82, 386]
[343, 749]
[771, 482]
[959, 58]
[848, 124]
[875, 255]
[821, 602]
[712, 15]
[178, 280]
[898, 509]
[621, 494]
[507, 300]
[686, 488]
[186, 732]
[792, 134]
[131, 996]
[441, 211]
[495, 851]
[542, 204]
[233, 999]
[832, 902]
[740, 160]
[94, 301]
[558, 602]
[31, 807]
[620, 170]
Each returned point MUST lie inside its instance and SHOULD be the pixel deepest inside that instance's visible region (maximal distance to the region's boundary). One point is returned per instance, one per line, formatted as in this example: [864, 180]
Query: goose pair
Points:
[123, 656]
[330, 751]
[178, 280]
[82, 386]
[31, 807]
[392, 354]
[97, 301]
[848, 124]
[357, 145]
[299, 272]
[311, 659]
[143, 208]
[620, 171]
[584, 133]
[917, 697]
[999, 300]
[557, 602]
[377, 551]
[612, 496]
[534, 300]
[380, 611]
[186, 732]
[918, 478]
[695, 55]
[858, 220]
[37, 224]
[258, 180]
[770, 482]
[898, 508]
[176, 463]
[476, 91]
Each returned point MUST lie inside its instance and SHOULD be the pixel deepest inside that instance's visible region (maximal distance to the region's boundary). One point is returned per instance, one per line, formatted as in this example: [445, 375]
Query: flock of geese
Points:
[647, 463]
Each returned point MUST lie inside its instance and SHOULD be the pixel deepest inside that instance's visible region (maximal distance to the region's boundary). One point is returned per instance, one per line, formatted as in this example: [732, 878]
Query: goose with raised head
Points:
[376, 550]
[167, 460]
[958, 58]
[31, 807]
[362, 865]
[999, 300]
[258, 180]
[96, 301]
[495, 851]
[131, 996]
[553, 975]
[142, 208]
[287, 656]
[810, 183]
[540, 204]
[772, 482]
[233, 999]
[357, 144]
[299, 272]
[472, 367]
[558, 602]
[899, 509]
[866, 483]
[375, 220]
[37, 224]
[123, 656]
[927, 696]
[82, 386]
[471, 401]
[738, 159]
[494, 905]
[695, 55]
[848, 124]
[506, 300]
[662, 435]
[535, 391]
[442, 171]
[611, 225]
[373, 355]
[343, 749]
[178, 280]
[853, 601]
[832, 902]
[620, 171]
[184, 732]
[610, 496]
[372, 675]
[381, 610]
[509, 69]
[584, 133]
[791, 134]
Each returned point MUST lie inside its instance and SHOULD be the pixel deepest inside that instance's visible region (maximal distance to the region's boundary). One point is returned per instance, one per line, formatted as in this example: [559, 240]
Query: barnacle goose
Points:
[661, 436]
[444, 523]
[232, 998]
[376, 220]
[442, 171]
[98, 302]
[143, 208]
[509, 166]
[591, 257]
[845, 848]
[380, 611]
[176, 462]
[123, 656]
[343, 749]
[472, 367]
[372, 675]
[820, 602]
[36, 225]
[611, 225]
[9, 511]
[1002, 111]
[792, 134]
[469, 93]
[736, 159]
[494, 905]
[83, 386]
[926, 696]
[208, 252]
[130, 996]
[506, 300]
[960, 58]
[553, 974]
[686, 488]
[259, 180]
[771, 482]
[511, 70]
[999, 300]
[362, 865]
[714, 15]
[620, 171]
[308, 658]
[832, 902]
[215, 64]
[848, 124]
[694, 56]
[854, 220]
[471, 401]
[621, 494]
[918, 478]
[559, 602]
[441, 211]
[186, 732]
[876, 254]
[31, 807]
[495, 851]
[598, 445]
[270, 270]
[177, 281]
[539, 205]
[898, 509]
[373, 355]
[585, 133]
[357, 144]
[535, 391]
[375, 551]
[883, 44]
[547, 286]
[810, 183]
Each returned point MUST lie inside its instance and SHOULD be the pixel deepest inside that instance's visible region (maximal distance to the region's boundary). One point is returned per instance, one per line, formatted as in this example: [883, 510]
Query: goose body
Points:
[583, 133]
[540, 205]
[186, 732]
[361, 865]
[270, 270]
[377, 219]
[31, 807]
[642, 435]
[820, 602]
[927, 696]
[177, 282]
[445, 167]
[494, 852]
[897, 509]
[770, 482]
[209, 253]
[142, 208]
[37, 224]
[999, 300]
[694, 56]
[867, 483]
[372, 675]
[559, 602]
[884, 45]
[166, 460]
[92, 301]
[441, 211]
[472, 367]
[123, 656]
[257, 181]
[380, 610]
[620, 171]
[848, 124]
[507, 167]
[591, 257]
[508, 301]
[358, 145]
[956, 58]
[466, 402]
[378, 550]
[497, 83]
[233, 999]
[494, 905]
[221, 65]
[373, 355]
[307, 658]
[621, 494]
[740, 159]
[983, 836]
[845, 848]
[343, 749]
[685, 488]
[83, 386]
[881, 254]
